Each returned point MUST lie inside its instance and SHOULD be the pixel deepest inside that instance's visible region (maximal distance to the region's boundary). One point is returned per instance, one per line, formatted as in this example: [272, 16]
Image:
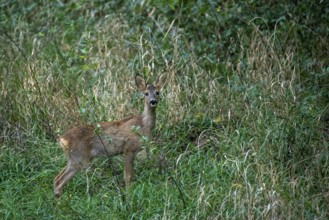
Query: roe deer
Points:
[81, 144]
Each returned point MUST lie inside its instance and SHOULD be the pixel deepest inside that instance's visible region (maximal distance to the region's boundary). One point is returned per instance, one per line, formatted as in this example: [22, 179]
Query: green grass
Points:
[242, 125]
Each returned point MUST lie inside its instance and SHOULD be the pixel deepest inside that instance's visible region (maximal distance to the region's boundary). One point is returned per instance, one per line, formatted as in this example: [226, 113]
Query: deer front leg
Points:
[129, 167]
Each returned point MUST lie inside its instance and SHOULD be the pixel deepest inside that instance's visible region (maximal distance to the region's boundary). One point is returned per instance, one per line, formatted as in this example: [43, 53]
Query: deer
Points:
[107, 139]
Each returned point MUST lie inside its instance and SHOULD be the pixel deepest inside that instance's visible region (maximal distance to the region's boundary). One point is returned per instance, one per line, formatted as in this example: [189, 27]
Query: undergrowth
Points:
[242, 124]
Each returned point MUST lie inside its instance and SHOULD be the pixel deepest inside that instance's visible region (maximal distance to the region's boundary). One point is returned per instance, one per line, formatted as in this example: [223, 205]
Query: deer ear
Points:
[140, 83]
[161, 80]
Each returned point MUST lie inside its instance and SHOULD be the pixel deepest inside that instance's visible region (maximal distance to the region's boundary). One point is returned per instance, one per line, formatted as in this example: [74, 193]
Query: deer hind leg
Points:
[75, 163]
[64, 176]
[129, 167]
[60, 174]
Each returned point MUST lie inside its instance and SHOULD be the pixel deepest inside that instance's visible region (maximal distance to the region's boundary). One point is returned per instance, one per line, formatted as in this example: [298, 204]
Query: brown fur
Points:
[81, 144]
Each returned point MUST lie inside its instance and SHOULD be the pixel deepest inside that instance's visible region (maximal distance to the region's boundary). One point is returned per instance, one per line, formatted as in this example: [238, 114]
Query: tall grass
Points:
[241, 137]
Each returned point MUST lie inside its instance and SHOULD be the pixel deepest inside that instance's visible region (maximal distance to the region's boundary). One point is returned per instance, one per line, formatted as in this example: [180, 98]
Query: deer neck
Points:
[148, 120]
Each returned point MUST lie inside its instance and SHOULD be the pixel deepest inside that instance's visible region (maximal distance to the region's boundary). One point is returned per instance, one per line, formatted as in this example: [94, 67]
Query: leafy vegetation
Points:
[242, 128]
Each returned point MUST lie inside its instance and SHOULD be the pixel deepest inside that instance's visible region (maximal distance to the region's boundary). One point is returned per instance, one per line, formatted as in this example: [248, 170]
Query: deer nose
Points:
[153, 102]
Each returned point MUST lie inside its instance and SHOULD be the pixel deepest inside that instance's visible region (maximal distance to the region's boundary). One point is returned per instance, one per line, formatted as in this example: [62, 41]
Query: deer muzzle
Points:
[153, 102]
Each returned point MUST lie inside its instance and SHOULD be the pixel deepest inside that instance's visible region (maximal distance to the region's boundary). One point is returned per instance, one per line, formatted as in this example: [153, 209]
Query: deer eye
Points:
[146, 93]
[157, 93]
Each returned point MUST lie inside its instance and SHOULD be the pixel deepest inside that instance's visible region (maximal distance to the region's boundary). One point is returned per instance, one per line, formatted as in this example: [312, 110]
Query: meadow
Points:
[242, 125]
